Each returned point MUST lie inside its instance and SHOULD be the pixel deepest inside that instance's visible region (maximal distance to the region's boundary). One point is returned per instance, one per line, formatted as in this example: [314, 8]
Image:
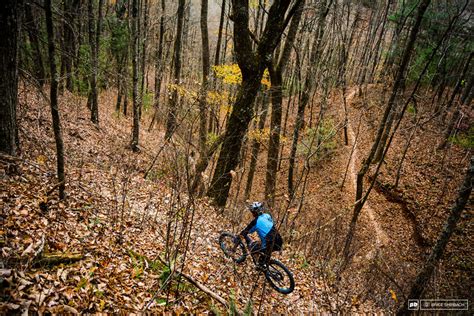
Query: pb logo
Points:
[413, 305]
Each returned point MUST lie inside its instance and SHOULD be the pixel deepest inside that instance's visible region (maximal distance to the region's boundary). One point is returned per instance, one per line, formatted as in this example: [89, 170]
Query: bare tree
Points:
[94, 40]
[136, 70]
[159, 65]
[68, 42]
[205, 75]
[173, 106]
[54, 100]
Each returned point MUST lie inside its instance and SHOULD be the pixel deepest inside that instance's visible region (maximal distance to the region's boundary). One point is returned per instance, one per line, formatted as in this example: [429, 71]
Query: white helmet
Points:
[256, 207]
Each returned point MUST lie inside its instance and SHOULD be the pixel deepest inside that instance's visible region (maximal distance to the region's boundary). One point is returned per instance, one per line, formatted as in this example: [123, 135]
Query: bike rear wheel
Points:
[234, 250]
[279, 277]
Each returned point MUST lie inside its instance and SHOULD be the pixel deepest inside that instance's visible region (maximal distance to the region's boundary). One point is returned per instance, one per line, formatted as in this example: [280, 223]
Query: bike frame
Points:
[253, 254]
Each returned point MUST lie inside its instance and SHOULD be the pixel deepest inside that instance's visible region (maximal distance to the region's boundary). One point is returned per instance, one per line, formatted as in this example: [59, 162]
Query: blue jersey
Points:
[263, 224]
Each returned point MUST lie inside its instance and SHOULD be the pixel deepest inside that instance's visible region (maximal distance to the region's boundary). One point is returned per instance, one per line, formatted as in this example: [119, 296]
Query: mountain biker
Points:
[270, 239]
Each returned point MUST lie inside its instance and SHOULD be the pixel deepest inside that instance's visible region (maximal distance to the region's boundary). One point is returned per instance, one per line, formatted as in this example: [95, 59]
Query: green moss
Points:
[464, 139]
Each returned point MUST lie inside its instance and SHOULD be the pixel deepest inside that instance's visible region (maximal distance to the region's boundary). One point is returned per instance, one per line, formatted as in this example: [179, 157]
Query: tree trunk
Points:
[159, 66]
[54, 100]
[173, 106]
[94, 36]
[255, 147]
[120, 53]
[252, 64]
[143, 35]
[205, 75]
[426, 272]
[10, 25]
[136, 70]
[235, 132]
[219, 34]
[32, 29]
[68, 39]
[276, 79]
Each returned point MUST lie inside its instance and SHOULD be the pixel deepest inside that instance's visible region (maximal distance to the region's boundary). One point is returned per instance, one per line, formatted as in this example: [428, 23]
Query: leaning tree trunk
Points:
[426, 272]
[252, 64]
[54, 100]
[10, 26]
[173, 106]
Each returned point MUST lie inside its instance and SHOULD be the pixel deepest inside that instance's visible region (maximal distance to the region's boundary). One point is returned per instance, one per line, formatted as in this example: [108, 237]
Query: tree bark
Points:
[54, 100]
[173, 106]
[426, 272]
[10, 25]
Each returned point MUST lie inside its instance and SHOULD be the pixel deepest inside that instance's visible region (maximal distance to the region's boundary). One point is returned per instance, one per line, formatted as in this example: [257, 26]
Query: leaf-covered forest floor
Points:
[110, 232]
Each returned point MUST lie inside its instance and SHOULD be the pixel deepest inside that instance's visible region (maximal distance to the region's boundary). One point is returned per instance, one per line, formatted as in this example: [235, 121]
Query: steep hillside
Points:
[119, 240]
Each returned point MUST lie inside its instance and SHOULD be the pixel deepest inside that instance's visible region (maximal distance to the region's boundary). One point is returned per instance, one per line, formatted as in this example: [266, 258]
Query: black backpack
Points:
[275, 239]
[278, 246]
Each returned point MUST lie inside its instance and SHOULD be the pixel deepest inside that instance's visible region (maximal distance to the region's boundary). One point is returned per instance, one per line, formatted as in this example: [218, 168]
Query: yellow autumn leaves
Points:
[230, 74]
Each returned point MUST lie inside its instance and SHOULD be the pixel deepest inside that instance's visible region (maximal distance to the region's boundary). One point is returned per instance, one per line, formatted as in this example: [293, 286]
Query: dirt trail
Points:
[381, 237]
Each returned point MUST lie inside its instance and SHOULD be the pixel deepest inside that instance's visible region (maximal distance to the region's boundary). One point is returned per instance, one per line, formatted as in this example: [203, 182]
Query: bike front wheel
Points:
[232, 247]
[279, 277]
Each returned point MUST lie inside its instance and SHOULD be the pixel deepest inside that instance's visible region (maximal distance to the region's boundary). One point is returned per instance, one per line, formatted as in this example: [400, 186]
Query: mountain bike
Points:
[279, 276]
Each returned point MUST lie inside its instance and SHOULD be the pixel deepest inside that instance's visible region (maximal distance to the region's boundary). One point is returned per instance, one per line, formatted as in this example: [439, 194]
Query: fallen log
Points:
[197, 284]
[205, 289]
[53, 259]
